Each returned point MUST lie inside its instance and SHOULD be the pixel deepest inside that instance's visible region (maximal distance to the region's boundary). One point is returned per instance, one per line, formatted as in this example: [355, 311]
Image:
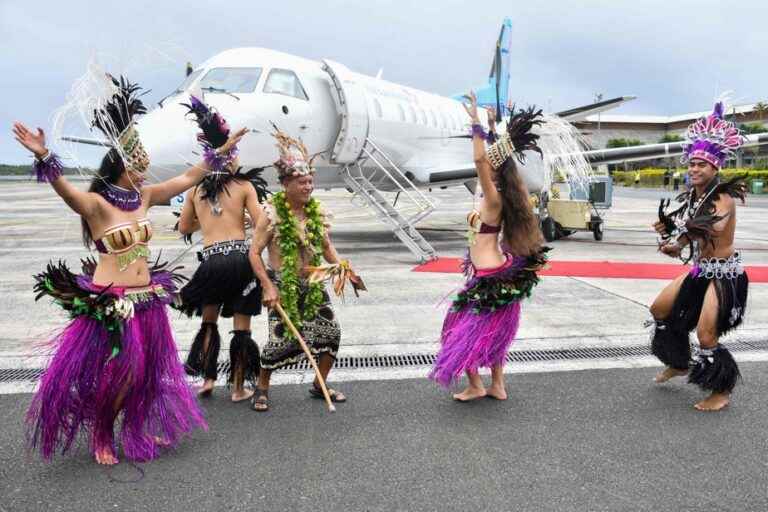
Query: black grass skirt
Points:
[224, 277]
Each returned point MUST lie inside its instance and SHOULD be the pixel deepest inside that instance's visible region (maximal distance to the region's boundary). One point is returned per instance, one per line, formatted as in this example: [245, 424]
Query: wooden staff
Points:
[305, 348]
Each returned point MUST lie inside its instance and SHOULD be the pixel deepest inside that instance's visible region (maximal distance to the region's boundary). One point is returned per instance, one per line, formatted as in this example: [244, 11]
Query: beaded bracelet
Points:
[219, 161]
[478, 131]
[47, 169]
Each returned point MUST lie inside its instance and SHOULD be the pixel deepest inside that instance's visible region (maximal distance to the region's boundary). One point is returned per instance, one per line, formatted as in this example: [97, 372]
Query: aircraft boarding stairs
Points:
[368, 171]
[375, 171]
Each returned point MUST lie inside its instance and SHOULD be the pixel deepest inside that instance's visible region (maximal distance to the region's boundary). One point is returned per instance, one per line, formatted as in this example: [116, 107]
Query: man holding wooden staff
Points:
[295, 231]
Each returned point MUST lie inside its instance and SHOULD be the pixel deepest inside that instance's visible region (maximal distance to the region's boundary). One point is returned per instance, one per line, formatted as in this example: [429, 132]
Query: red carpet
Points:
[598, 269]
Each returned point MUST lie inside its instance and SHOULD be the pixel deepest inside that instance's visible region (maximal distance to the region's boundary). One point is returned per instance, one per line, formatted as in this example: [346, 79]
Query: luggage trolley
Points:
[560, 217]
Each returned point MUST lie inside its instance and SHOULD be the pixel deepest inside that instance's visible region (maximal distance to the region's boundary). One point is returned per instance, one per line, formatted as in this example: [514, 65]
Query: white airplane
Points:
[374, 135]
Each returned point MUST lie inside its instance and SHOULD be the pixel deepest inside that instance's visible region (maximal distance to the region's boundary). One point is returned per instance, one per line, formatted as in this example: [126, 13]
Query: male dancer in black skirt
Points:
[224, 283]
[712, 296]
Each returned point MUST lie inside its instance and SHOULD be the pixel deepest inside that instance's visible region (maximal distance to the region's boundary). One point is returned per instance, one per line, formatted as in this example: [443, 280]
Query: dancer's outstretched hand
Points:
[491, 117]
[671, 249]
[660, 228]
[33, 142]
[233, 140]
[472, 107]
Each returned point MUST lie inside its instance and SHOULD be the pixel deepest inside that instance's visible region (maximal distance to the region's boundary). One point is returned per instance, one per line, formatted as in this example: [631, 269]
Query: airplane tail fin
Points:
[495, 92]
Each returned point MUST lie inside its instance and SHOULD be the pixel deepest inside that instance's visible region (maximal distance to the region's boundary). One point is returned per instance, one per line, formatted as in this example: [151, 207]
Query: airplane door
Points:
[284, 101]
[352, 107]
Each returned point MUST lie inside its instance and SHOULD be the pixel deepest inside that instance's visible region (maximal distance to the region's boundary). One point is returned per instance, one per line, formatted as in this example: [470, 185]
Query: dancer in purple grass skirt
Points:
[501, 269]
[117, 355]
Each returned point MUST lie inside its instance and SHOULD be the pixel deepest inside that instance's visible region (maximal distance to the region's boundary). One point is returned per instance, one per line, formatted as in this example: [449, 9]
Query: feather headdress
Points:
[214, 133]
[518, 138]
[214, 130]
[712, 139]
[115, 118]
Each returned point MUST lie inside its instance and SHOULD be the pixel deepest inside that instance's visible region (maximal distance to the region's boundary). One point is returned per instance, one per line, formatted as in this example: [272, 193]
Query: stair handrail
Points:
[402, 226]
[423, 201]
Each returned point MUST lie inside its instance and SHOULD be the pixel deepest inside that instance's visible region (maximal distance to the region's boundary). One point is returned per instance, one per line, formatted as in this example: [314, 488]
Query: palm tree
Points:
[761, 108]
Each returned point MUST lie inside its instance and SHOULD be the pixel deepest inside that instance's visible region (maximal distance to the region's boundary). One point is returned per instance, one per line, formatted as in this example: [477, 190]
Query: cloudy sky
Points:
[675, 55]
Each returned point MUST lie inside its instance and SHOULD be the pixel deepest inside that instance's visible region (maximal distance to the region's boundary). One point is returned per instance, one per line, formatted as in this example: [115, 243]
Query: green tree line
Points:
[21, 170]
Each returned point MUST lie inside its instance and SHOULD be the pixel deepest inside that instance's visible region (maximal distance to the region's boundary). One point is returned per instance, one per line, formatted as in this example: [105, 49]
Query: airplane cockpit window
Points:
[231, 80]
[188, 81]
[283, 81]
[401, 111]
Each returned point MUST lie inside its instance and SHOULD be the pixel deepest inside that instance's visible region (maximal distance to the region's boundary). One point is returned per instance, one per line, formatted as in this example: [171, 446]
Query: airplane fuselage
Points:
[254, 87]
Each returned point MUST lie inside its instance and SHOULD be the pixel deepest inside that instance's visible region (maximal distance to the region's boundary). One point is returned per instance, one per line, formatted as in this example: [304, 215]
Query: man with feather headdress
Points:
[712, 296]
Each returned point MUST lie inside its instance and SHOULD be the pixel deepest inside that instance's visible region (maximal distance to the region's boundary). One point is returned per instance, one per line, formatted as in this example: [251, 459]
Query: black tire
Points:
[597, 230]
[549, 229]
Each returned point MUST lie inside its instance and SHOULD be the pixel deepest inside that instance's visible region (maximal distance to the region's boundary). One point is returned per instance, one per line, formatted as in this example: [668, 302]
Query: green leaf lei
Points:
[289, 241]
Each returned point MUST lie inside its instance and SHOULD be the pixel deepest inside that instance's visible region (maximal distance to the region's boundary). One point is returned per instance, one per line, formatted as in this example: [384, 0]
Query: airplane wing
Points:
[581, 113]
[444, 175]
[532, 174]
[460, 173]
[91, 142]
[653, 151]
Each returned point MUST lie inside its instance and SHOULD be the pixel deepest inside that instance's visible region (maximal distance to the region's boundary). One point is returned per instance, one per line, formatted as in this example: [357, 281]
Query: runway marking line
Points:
[608, 269]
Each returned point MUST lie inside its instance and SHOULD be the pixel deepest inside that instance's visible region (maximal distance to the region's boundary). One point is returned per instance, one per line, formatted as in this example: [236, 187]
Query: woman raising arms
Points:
[117, 354]
[505, 252]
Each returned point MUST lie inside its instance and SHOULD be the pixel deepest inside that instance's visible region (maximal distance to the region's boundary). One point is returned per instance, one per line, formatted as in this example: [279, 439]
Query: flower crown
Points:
[294, 161]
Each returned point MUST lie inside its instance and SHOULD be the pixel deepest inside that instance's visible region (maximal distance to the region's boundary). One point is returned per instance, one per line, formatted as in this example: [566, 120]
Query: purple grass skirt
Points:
[471, 340]
[80, 389]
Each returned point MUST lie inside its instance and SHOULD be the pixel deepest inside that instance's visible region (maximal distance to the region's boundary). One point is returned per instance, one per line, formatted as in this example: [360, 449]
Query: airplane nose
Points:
[170, 140]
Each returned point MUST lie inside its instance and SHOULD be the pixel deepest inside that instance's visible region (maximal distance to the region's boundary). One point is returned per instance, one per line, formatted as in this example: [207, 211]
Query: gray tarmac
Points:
[402, 312]
[575, 435]
[597, 440]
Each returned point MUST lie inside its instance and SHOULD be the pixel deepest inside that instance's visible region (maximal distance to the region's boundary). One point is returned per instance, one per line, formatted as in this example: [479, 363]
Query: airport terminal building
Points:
[598, 129]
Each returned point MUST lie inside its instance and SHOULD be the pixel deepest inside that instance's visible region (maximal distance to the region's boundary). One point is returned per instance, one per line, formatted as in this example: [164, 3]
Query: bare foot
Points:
[714, 402]
[207, 388]
[497, 392]
[106, 456]
[241, 395]
[669, 373]
[469, 394]
[161, 441]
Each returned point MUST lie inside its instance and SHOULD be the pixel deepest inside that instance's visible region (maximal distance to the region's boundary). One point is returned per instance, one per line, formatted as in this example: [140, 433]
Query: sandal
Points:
[336, 397]
[260, 400]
